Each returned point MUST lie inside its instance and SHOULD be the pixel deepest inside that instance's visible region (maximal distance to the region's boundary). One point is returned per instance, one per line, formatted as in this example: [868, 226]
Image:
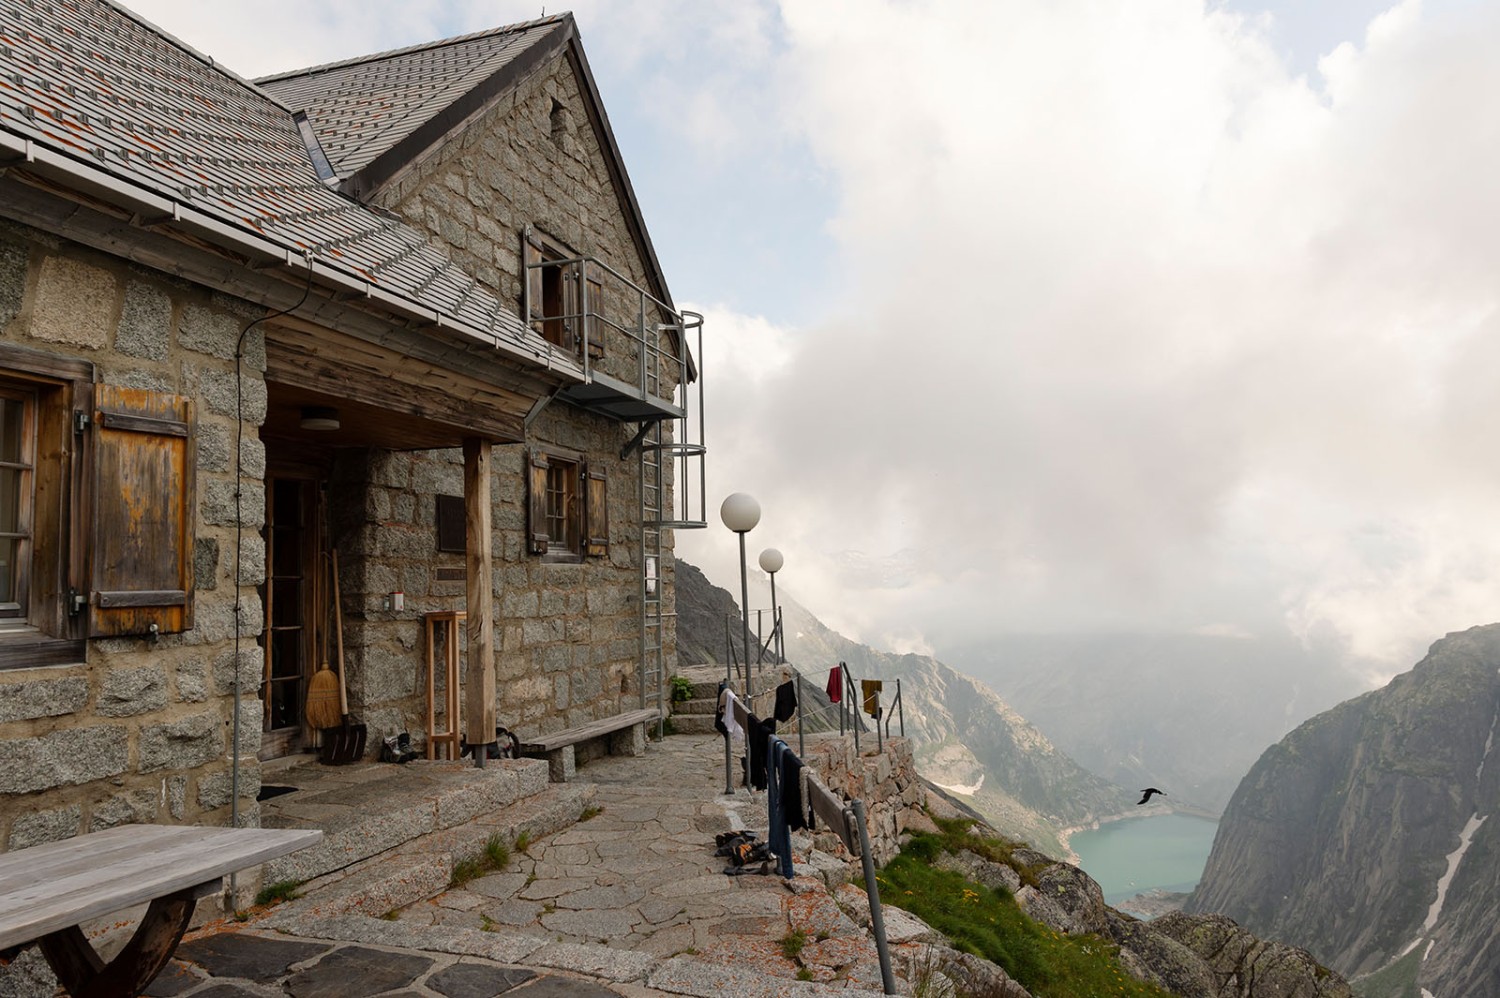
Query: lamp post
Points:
[740, 513]
[770, 563]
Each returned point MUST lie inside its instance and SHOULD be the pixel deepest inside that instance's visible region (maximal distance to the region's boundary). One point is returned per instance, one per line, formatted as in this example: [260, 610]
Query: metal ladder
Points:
[666, 458]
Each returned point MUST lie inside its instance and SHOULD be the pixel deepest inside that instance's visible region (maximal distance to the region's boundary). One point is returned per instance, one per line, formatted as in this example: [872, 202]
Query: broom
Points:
[323, 709]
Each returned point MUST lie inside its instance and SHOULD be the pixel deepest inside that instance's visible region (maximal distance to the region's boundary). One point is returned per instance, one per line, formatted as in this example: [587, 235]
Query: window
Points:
[17, 493]
[567, 509]
[76, 560]
[564, 295]
[41, 484]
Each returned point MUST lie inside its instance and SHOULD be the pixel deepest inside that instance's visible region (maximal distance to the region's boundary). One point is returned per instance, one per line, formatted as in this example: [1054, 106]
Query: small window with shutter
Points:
[567, 507]
[553, 297]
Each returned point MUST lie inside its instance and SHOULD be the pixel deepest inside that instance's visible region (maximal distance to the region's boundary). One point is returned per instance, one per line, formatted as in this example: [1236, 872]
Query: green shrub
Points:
[682, 688]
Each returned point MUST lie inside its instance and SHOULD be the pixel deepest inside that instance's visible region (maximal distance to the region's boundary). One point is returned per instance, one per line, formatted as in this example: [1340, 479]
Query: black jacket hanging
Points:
[786, 702]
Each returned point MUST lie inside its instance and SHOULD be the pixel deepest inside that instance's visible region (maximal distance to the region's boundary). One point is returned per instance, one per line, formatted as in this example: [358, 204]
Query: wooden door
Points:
[294, 600]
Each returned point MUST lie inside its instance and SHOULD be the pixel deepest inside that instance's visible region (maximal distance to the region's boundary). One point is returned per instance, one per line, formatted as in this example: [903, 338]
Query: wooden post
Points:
[479, 712]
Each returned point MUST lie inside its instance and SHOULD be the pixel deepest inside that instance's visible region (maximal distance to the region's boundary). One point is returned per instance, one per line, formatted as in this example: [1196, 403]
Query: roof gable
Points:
[375, 115]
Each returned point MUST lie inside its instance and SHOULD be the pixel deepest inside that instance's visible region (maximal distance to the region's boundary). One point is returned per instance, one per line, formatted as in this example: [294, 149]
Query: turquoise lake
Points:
[1127, 857]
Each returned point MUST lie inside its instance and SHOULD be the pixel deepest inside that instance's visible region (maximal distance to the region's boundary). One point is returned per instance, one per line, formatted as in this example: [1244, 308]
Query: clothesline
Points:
[814, 800]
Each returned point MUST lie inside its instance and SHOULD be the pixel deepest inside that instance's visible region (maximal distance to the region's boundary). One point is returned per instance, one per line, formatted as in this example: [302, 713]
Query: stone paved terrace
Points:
[629, 901]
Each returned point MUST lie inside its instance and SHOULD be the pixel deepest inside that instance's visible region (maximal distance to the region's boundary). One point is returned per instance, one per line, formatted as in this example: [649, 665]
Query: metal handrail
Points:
[650, 360]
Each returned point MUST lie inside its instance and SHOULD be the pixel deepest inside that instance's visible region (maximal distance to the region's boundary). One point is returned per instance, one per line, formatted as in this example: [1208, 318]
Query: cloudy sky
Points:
[1059, 315]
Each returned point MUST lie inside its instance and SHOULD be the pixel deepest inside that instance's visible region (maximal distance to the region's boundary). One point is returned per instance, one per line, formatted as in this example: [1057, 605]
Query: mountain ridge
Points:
[1363, 835]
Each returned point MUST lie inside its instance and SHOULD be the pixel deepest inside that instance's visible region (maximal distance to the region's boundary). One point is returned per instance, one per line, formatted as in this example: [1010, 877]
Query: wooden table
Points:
[47, 892]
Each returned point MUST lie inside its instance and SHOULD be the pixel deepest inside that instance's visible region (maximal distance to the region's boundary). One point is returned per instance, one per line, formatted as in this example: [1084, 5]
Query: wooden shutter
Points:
[595, 326]
[144, 513]
[596, 512]
[536, 501]
[531, 255]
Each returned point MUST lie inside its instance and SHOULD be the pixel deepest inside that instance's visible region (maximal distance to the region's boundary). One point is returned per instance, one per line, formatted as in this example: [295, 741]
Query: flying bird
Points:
[1146, 795]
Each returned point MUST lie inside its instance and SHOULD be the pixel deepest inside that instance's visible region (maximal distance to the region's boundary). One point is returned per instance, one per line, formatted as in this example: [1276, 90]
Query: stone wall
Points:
[140, 732]
[885, 779]
[567, 635]
[531, 159]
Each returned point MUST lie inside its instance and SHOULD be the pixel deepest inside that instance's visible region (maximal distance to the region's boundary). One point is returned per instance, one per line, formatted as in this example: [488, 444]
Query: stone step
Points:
[423, 867]
[697, 706]
[693, 724]
[372, 808]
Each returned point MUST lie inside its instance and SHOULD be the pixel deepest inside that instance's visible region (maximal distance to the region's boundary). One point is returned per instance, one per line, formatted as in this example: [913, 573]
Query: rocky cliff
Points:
[1364, 835]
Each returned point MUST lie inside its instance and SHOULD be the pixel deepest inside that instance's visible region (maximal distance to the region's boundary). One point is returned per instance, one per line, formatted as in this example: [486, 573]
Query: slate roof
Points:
[363, 108]
[98, 95]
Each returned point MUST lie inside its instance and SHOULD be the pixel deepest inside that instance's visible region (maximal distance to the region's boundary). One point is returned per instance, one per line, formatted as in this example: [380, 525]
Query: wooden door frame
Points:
[293, 739]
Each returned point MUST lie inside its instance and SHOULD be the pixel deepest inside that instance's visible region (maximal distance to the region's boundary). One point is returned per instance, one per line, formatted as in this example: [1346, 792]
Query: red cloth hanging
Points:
[835, 685]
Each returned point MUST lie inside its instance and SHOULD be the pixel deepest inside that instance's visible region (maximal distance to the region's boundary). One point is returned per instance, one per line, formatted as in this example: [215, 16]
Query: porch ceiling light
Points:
[319, 417]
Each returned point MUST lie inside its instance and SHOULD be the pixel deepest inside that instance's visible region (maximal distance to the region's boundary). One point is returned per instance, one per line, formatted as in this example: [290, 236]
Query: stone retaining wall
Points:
[886, 780]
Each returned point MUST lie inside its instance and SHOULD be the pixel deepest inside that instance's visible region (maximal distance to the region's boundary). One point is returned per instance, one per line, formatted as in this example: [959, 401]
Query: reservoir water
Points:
[1126, 857]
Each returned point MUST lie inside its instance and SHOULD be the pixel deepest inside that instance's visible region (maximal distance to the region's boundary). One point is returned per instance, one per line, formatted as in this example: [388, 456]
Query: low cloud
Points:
[1140, 329]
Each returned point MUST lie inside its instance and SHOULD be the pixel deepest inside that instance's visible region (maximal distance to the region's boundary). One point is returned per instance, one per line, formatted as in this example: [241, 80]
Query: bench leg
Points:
[630, 741]
[561, 764]
[85, 975]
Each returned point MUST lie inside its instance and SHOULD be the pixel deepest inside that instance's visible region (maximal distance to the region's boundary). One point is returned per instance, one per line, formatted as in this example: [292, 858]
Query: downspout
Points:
[239, 526]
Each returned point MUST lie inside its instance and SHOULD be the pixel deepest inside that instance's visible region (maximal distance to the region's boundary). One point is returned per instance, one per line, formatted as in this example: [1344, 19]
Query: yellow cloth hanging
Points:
[870, 692]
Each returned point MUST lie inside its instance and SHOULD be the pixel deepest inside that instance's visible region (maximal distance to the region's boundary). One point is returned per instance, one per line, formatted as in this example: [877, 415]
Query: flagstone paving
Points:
[630, 901]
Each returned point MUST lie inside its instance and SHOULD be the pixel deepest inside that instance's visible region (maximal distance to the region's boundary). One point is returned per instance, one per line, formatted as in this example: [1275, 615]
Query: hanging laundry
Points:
[726, 720]
[757, 734]
[835, 685]
[793, 812]
[870, 691]
[779, 833]
[786, 702]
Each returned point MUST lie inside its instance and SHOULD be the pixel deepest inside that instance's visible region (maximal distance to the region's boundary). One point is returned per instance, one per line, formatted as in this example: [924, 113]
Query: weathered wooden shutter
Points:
[571, 334]
[531, 254]
[144, 513]
[536, 501]
[595, 326]
[596, 511]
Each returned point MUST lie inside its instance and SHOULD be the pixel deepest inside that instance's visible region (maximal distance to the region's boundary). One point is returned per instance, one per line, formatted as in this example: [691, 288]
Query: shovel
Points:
[348, 742]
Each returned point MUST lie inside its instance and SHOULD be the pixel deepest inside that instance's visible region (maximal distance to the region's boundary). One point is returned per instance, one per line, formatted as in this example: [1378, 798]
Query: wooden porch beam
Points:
[479, 711]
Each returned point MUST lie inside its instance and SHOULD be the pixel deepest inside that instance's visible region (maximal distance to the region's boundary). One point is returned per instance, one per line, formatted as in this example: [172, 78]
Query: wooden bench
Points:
[557, 746]
[49, 891]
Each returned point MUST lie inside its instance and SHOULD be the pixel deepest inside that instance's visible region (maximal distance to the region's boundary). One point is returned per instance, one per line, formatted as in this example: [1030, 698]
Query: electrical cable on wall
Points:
[239, 524]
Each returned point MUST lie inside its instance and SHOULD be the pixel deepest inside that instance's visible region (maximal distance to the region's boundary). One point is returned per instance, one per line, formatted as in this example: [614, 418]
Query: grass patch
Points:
[392, 915]
[487, 924]
[792, 943]
[523, 842]
[803, 974]
[989, 924]
[496, 856]
[590, 812]
[282, 890]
